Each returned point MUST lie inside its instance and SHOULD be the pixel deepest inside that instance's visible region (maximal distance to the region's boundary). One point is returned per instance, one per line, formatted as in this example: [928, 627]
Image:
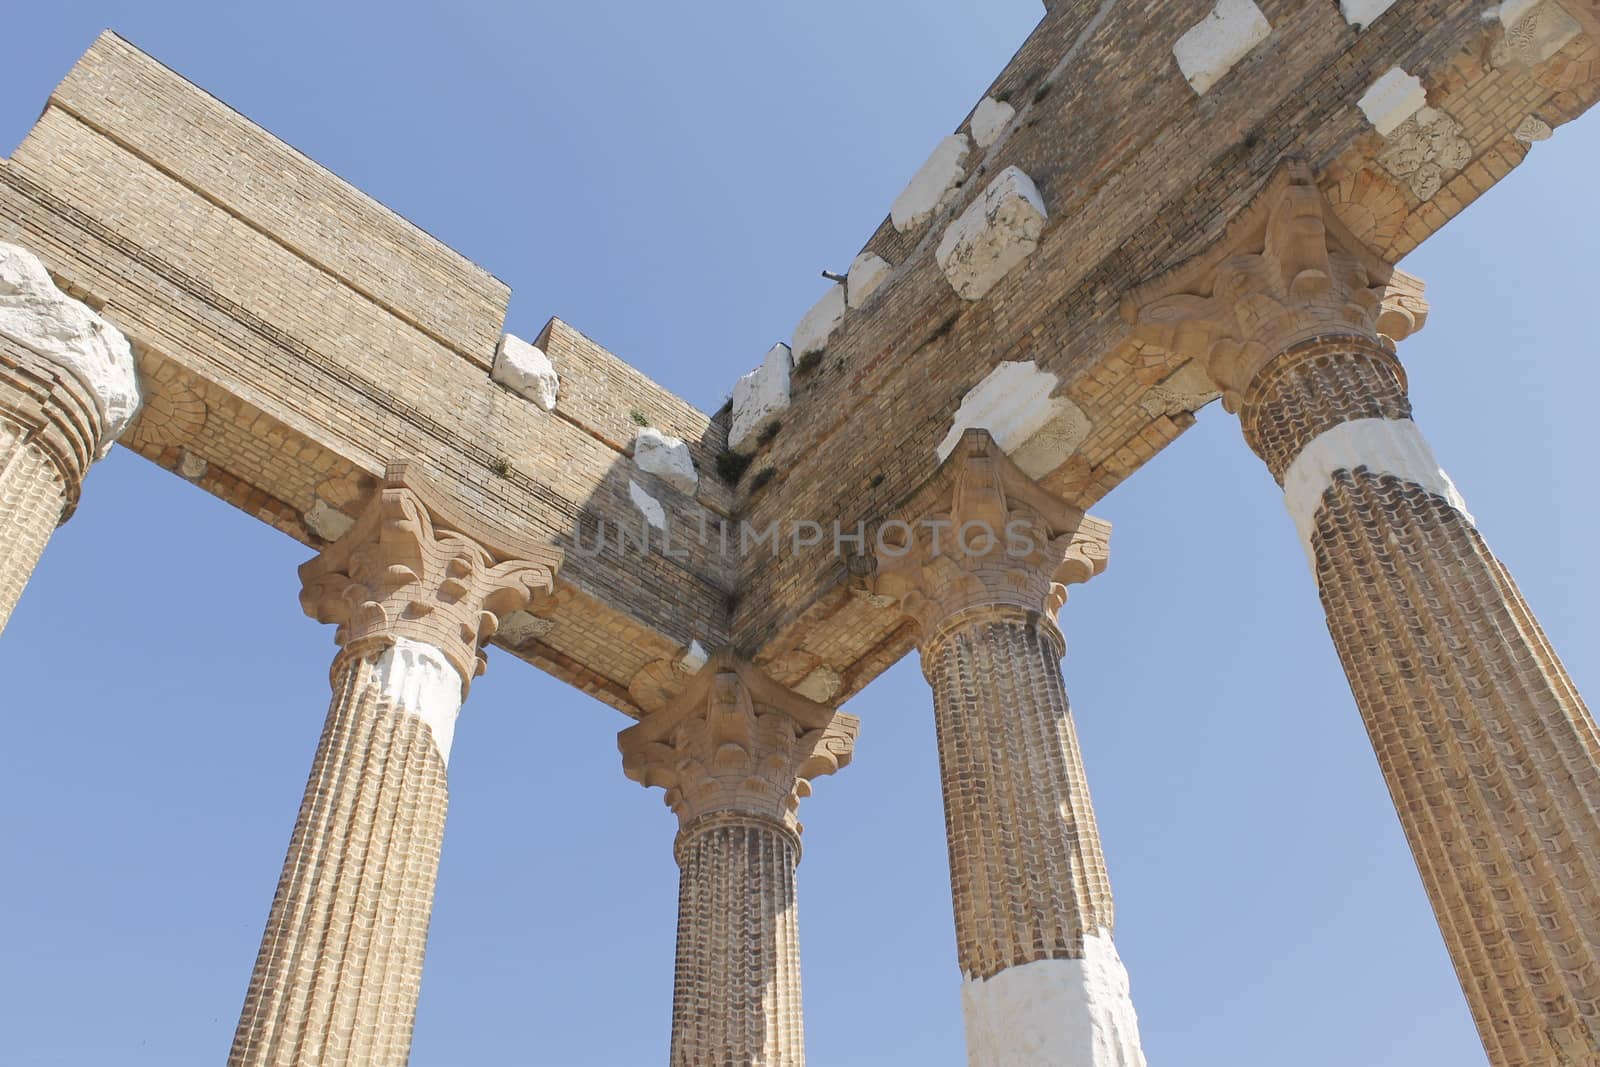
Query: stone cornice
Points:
[734, 741]
[412, 567]
[1285, 271]
[982, 535]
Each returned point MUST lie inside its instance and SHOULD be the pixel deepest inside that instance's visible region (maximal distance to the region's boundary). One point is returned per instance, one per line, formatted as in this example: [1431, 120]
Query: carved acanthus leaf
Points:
[1286, 270]
[983, 534]
[409, 568]
[736, 742]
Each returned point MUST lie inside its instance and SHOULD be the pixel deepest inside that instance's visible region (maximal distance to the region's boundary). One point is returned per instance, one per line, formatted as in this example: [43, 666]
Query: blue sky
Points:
[671, 179]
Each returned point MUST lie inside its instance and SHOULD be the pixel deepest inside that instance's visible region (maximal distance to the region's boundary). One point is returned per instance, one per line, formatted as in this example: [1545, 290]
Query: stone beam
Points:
[298, 336]
[1136, 168]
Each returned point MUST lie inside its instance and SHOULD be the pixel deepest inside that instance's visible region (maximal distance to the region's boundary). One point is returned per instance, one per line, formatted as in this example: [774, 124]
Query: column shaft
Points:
[735, 752]
[1490, 754]
[1028, 878]
[736, 985]
[340, 967]
[33, 496]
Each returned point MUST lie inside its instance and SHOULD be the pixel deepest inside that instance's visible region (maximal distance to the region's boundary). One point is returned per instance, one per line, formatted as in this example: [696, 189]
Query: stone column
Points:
[735, 752]
[981, 562]
[415, 592]
[67, 391]
[1490, 754]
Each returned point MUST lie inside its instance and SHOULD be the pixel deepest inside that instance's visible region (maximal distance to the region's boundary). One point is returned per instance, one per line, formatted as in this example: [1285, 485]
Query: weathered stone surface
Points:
[1392, 99]
[990, 120]
[996, 233]
[326, 521]
[1532, 129]
[867, 273]
[760, 398]
[1213, 45]
[40, 317]
[819, 323]
[1534, 32]
[1426, 150]
[933, 185]
[665, 457]
[820, 685]
[526, 370]
[1014, 404]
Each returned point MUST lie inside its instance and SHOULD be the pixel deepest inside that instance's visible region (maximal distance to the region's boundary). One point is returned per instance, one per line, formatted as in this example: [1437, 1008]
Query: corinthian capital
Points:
[410, 568]
[1285, 271]
[982, 534]
[736, 742]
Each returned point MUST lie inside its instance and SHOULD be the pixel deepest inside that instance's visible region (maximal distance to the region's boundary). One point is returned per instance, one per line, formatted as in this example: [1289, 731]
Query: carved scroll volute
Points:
[988, 536]
[1285, 271]
[409, 568]
[736, 742]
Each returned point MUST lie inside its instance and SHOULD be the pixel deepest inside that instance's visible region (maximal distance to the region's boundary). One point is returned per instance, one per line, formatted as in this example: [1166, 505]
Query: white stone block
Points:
[760, 398]
[866, 274]
[993, 236]
[824, 317]
[648, 506]
[934, 185]
[990, 119]
[1013, 402]
[1392, 99]
[1076, 1011]
[695, 658]
[41, 318]
[1213, 45]
[526, 371]
[665, 457]
[1363, 13]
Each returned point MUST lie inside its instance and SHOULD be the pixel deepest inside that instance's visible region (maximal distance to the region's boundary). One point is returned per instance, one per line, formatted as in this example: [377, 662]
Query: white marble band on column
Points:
[419, 680]
[1393, 447]
[1060, 1013]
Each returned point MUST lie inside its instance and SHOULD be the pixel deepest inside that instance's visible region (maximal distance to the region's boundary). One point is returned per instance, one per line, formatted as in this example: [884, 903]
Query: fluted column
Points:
[414, 592]
[1491, 756]
[981, 563]
[67, 391]
[735, 752]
